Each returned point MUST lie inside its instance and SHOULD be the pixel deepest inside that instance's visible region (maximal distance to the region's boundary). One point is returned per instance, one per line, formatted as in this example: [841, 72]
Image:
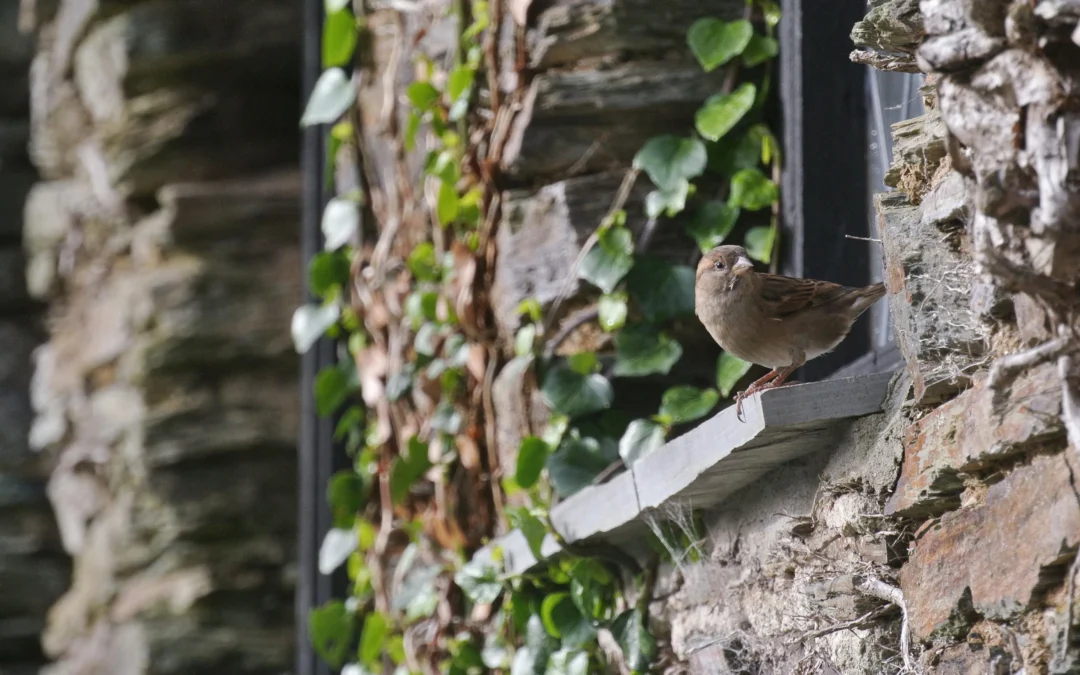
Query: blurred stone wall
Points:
[163, 238]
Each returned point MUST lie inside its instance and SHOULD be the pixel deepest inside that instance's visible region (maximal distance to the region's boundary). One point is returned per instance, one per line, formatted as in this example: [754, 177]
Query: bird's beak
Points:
[742, 267]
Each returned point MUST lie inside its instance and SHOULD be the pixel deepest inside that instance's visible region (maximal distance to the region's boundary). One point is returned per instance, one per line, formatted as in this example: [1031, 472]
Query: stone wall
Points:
[34, 570]
[163, 236]
[940, 537]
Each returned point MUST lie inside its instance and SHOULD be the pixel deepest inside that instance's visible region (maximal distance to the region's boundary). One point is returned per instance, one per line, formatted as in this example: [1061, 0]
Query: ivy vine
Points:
[419, 601]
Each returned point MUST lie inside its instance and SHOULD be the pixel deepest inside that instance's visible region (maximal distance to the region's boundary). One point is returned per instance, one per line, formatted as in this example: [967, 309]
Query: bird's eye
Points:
[719, 264]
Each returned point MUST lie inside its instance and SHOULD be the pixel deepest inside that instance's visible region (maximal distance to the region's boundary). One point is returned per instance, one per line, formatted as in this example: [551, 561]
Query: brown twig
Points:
[575, 321]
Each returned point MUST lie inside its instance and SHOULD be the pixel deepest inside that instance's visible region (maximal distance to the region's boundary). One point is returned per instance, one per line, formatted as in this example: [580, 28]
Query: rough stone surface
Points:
[1030, 519]
[970, 433]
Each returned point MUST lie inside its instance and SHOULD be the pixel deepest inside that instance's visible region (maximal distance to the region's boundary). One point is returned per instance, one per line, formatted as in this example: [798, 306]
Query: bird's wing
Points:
[783, 296]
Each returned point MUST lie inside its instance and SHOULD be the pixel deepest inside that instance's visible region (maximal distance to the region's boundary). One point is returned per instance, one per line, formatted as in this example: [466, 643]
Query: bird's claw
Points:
[739, 398]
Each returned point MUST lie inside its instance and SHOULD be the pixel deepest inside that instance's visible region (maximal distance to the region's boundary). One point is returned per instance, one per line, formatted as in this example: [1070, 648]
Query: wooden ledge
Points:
[705, 466]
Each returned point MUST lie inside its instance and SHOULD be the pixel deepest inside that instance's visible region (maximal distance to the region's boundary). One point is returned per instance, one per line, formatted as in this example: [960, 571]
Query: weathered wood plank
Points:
[707, 465]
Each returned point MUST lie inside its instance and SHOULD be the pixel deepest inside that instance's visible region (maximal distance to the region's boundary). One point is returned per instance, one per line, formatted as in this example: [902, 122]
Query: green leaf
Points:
[422, 95]
[495, 654]
[642, 438]
[309, 322]
[372, 635]
[340, 221]
[532, 454]
[461, 78]
[532, 658]
[407, 469]
[346, 493]
[449, 203]
[331, 96]
[424, 342]
[412, 126]
[612, 310]
[531, 527]
[331, 389]
[760, 49]
[712, 224]
[670, 202]
[330, 628]
[575, 464]
[339, 38]
[563, 620]
[609, 260]
[574, 394]
[751, 190]
[722, 112]
[326, 271]
[669, 159]
[592, 589]
[418, 595]
[479, 581]
[731, 154]
[759, 243]
[685, 404]
[422, 262]
[771, 10]
[729, 370]
[446, 419]
[568, 661]
[337, 545]
[583, 363]
[524, 340]
[642, 350]
[661, 290]
[715, 42]
[332, 6]
[637, 644]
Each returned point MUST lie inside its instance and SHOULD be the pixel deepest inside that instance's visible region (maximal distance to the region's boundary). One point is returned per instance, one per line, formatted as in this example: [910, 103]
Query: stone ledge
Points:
[705, 466]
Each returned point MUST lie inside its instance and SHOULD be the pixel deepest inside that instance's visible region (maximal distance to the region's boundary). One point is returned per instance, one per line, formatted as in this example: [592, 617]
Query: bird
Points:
[772, 320]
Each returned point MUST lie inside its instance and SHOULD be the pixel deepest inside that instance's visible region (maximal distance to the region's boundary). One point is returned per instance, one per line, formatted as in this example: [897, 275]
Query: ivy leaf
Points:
[563, 620]
[592, 589]
[340, 221]
[731, 154]
[422, 95]
[669, 159]
[751, 190]
[407, 469]
[372, 636]
[531, 527]
[532, 658]
[337, 546]
[495, 653]
[670, 201]
[422, 263]
[326, 271]
[479, 581]
[712, 224]
[568, 661]
[524, 340]
[612, 310]
[715, 42]
[722, 112]
[532, 454]
[335, 5]
[331, 96]
[641, 350]
[574, 394]
[729, 370]
[760, 49]
[642, 438]
[759, 243]
[309, 322]
[461, 78]
[331, 389]
[609, 260]
[346, 493]
[685, 404]
[575, 464]
[637, 644]
[339, 38]
[449, 203]
[662, 291]
[330, 628]
[583, 363]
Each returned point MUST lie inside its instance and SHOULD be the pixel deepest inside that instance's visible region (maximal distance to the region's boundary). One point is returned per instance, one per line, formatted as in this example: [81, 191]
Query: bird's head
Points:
[723, 267]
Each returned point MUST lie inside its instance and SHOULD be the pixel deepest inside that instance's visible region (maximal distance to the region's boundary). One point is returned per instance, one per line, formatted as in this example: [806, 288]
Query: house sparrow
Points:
[773, 320]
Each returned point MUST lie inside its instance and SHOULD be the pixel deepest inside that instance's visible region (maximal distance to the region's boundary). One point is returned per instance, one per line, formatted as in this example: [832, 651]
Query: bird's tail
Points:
[865, 297]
